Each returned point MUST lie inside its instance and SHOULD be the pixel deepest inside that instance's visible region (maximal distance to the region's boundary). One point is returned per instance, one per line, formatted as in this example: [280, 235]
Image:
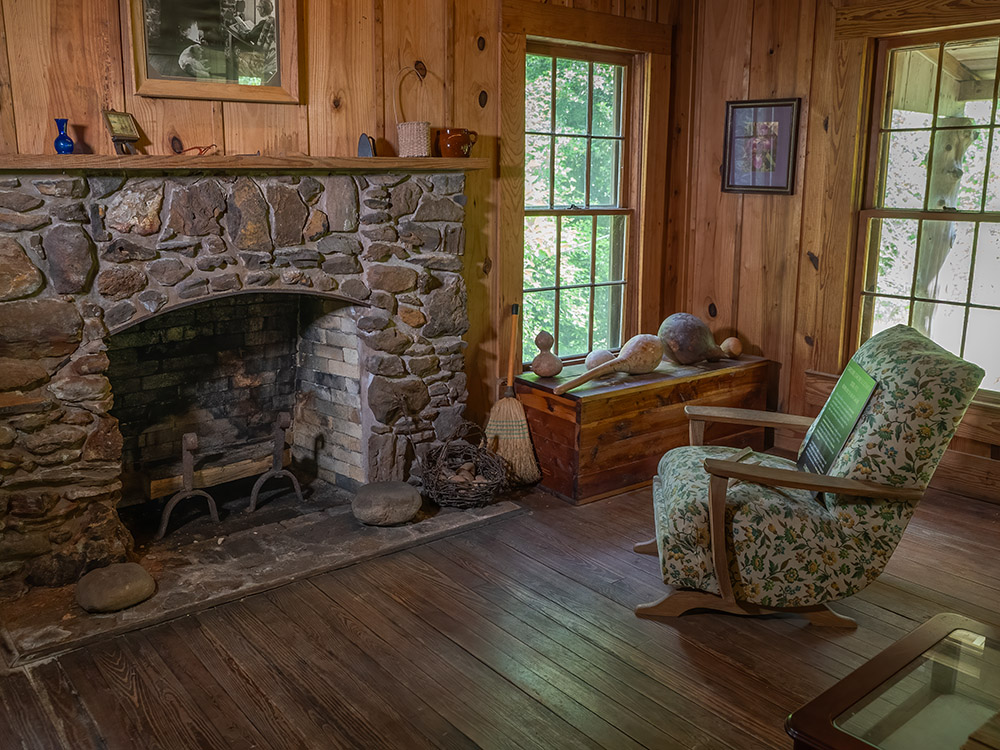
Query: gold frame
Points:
[286, 93]
[118, 130]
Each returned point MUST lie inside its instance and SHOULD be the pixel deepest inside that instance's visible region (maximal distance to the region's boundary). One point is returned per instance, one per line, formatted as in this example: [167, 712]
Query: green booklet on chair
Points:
[828, 435]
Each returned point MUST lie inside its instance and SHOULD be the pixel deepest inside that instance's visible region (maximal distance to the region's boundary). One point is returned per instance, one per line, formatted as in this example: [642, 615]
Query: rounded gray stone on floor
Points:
[117, 586]
[386, 503]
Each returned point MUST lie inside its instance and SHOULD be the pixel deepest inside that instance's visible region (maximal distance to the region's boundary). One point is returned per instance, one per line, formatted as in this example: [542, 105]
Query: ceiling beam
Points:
[570, 25]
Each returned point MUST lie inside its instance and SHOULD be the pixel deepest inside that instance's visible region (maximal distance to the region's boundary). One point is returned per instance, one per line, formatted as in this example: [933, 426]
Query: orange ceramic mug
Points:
[456, 141]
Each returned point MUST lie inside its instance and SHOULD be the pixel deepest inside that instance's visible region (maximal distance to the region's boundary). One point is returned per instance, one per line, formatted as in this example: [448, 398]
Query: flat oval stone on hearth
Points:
[386, 503]
[117, 586]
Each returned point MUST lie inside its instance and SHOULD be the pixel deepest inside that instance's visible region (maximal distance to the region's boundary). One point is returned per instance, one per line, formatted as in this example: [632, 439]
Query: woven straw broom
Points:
[507, 429]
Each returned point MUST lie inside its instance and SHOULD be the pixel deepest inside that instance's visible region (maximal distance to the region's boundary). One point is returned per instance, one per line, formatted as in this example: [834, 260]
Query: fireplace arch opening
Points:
[277, 291]
[224, 371]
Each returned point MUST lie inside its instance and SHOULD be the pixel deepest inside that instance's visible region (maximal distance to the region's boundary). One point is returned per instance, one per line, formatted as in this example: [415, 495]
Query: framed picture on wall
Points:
[759, 151]
[233, 50]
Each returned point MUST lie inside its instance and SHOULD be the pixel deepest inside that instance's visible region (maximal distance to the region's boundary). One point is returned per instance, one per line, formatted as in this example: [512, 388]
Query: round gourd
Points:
[597, 357]
[545, 364]
[686, 339]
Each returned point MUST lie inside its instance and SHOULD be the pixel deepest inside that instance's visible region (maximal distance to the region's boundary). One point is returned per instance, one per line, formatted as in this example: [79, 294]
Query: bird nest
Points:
[464, 473]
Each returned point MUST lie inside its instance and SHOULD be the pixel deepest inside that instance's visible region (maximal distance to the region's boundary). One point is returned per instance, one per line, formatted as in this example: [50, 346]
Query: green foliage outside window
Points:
[573, 117]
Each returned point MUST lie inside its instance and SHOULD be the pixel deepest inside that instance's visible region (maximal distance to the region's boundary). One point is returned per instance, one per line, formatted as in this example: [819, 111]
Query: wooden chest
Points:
[607, 436]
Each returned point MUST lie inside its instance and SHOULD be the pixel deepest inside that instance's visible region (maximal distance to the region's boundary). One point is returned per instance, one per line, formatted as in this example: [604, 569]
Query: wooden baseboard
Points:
[968, 475]
[600, 496]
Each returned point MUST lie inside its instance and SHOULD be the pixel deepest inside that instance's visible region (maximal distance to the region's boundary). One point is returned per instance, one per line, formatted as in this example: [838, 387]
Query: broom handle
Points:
[513, 344]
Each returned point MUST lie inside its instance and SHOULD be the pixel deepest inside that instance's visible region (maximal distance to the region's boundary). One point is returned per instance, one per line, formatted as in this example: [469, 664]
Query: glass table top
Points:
[936, 701]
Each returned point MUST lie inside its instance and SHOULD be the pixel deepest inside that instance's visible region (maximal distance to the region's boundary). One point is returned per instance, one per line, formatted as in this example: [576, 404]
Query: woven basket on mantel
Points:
[415, 136]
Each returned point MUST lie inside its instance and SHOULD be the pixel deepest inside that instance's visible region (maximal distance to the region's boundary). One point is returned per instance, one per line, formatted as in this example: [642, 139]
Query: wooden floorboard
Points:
[515, 635]
[260, 703]
[671, 654]
[688, 723]
[109, 705]
[66, 715]
[412, 681]
[453, 674]
[549, 683]
[23, 719]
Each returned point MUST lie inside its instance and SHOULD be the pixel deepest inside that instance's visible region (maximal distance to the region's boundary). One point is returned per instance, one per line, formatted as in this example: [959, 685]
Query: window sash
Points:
[553, 134]
[618, 208]
[877, 155]
[617, 248]
[872, 213]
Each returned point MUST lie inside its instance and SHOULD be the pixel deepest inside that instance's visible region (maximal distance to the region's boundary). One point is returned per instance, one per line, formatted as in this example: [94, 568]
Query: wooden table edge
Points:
[813, 723]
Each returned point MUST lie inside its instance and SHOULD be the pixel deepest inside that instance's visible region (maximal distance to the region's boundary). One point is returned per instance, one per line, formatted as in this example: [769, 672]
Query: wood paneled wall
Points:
[65, 58]
[778, 270]
[752, 260]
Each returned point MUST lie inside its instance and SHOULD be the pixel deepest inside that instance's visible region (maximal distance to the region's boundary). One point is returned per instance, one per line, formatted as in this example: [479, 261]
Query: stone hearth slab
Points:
[216, 569]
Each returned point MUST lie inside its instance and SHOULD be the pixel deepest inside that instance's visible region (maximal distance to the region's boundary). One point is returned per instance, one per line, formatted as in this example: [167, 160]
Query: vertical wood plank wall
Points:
[65, 58]
[478, 70]
[778, 270]
[772, 269]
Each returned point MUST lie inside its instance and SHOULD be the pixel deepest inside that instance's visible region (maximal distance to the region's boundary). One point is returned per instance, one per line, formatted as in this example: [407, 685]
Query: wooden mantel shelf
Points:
[149, 163]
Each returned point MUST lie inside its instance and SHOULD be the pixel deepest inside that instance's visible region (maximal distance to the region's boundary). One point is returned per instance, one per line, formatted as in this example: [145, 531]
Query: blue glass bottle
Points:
[63, 143]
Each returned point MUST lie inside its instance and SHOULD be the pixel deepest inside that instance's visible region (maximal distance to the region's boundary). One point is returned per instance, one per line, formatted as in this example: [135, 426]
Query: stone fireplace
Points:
[136, 308]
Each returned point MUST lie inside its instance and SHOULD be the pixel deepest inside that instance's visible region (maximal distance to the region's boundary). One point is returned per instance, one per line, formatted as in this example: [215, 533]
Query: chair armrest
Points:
[753, 417]
[804, 480]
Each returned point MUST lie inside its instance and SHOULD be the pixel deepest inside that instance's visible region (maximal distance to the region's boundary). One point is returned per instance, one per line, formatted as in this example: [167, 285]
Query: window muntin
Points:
[575, 223]
[931, 223]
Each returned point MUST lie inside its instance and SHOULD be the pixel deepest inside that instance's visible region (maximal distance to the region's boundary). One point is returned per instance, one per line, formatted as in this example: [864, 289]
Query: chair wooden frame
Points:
[677, 601]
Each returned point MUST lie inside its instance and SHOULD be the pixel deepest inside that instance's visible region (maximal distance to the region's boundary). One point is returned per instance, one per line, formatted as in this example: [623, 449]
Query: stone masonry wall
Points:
[83, 257]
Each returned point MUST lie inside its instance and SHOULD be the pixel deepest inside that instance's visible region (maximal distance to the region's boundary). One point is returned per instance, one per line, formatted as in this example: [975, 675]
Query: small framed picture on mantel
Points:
[759, 151]
[230, 50]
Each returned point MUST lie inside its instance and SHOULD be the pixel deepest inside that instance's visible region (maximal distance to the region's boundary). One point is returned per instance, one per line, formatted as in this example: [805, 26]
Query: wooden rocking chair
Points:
[751, 538]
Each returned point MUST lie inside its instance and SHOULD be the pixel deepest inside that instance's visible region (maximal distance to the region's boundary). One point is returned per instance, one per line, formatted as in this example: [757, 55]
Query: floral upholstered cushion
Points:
[922, 392]
[785, 548]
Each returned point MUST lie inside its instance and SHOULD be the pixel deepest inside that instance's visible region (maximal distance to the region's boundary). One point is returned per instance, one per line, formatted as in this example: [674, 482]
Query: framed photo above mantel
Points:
[230, 50]
[759, 151]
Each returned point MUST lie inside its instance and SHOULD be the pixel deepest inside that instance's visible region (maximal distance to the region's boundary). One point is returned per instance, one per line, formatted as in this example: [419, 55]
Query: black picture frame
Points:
[759, 152]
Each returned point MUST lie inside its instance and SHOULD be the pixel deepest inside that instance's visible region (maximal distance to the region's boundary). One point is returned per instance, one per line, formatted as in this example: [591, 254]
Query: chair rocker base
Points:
[646, 548]
[677, 602]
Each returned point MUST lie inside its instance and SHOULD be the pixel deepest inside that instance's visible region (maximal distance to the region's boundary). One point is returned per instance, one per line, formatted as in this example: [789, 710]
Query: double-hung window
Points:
[576, 217]
[930, 223]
